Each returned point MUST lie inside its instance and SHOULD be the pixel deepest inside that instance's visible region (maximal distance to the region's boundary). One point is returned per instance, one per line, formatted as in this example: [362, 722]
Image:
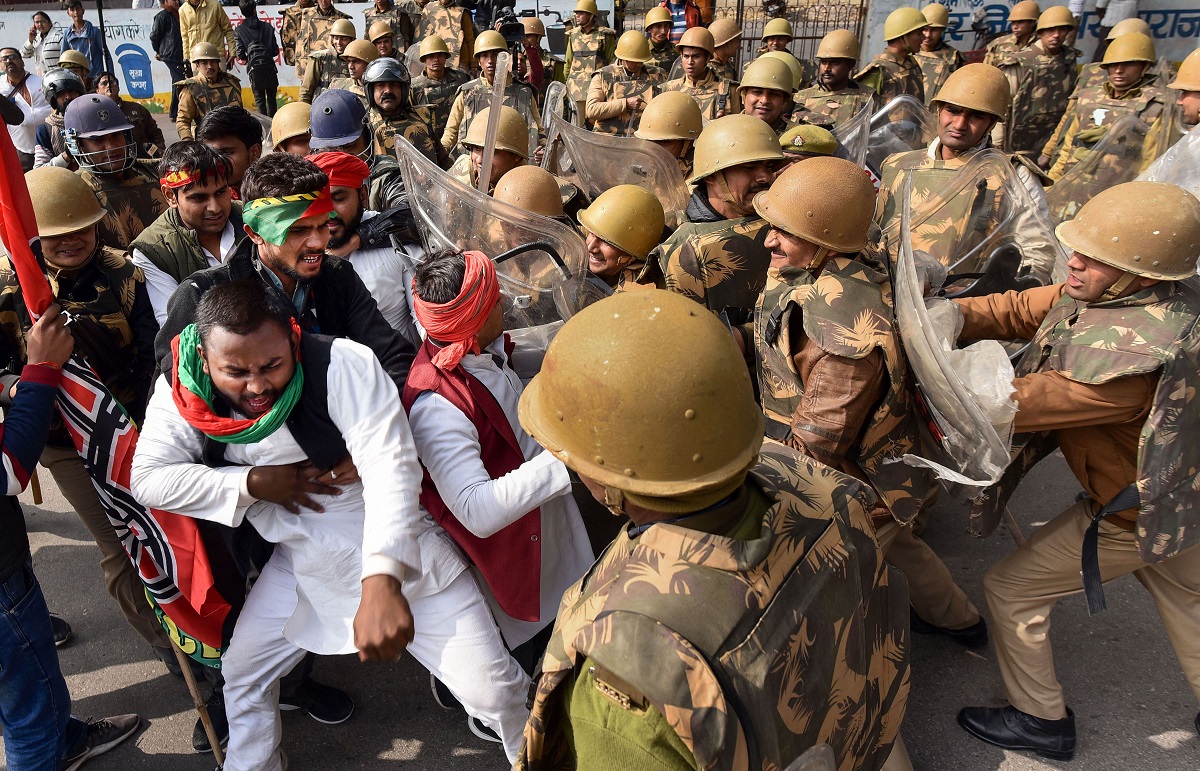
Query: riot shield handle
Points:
[503, 63]
[536, 246]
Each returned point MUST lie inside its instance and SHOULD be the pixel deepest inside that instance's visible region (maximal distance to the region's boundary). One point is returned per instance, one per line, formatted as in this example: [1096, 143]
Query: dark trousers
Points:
[264, 84]
[26, 160]
[178, 73]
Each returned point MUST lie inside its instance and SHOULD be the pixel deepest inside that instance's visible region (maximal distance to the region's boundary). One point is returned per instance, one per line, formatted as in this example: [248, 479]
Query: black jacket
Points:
[256, 44]
[338, 305]
[166, 39]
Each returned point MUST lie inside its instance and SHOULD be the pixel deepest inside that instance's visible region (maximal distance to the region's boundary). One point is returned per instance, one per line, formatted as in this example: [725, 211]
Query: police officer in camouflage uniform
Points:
[357, 56]
[397, 19]
[1041, 79]
[727, 39]
[777, 36]
[510, 151]
[1187, 83]
[589, 47]
[381, 36]
[1106, 379]
[716, 96]
[453, 24]
[313, 32]
[622, 225]
[896, 71]
[390, 113]
[1093, 73]
[1022, 19]
[338, 123]
[938, 59]
[438, 84]
[673, 121]
[100, 140]
[208, 89]
[289, 31]
[476, 94]
[835, 98]
[766, 93]
[660, 658]
[658, 31]
[327, 65]
[620, 91]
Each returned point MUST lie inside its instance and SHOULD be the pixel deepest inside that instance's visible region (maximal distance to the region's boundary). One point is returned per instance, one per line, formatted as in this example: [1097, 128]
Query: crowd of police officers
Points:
[760, 599]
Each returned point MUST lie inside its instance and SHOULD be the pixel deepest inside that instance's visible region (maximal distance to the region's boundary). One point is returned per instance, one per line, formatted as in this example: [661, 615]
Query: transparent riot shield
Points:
[818, 758]
[559, 110]
[602, 161]
[1128, 147]
[1178, 166]
[541, 263]
[903, 124]
[980, 221]
[412, 60]
[855, 135]
[676, 70]
[265, 122]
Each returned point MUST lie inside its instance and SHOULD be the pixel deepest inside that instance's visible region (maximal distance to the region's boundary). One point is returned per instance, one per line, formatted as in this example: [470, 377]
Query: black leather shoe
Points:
[1011, 729]
[60, 629]
[974, 636]
[323, 703]
[216, 713]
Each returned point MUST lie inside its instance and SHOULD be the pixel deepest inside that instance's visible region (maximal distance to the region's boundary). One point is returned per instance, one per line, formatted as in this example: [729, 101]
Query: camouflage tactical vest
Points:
[753, 651]
[846, 311]
[717, 97]
[448, 23]
[936, 67]
[617, 83]
[724, 70]
[207, 96]
[663, 55]
[589, 52]
[131, 199]
[290, 31]
[891, 76]
[477, 95]
[1098, 109]
[438, 95]
[721, 265]
[830, 109]
[1043, 85]
[1003, 47]
[313, 34]
[414, 124]
[353, 86]
[397, 19]
[329, 66]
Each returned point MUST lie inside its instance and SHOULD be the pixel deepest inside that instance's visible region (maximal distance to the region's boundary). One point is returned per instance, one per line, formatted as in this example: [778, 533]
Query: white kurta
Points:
[388, 274]
[160, 285]
[375, 527]
[448, 446]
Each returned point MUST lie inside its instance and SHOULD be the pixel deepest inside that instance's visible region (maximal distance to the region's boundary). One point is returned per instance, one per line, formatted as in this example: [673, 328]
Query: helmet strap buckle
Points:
[614, 501]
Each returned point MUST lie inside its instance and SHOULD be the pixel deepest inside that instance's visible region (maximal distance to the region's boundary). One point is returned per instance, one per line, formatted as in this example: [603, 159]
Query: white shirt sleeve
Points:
[159, 285]
[448, 445]
[167, 473]
[364, 405]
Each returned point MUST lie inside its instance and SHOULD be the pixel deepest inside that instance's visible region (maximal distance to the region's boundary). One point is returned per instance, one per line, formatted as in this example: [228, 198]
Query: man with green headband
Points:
[248, 431]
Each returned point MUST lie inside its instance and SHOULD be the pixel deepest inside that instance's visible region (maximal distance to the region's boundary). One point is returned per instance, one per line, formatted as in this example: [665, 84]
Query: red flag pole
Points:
[18, 229]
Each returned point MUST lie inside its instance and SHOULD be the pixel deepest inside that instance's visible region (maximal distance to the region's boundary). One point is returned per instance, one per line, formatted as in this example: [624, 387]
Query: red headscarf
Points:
[343, 169]
[458, 321]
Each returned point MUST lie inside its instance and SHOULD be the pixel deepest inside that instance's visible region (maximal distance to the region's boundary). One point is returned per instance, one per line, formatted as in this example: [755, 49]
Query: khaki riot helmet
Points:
[827, 201]
[533, 26]
[1125, 26]
[291, 120]
[767, 72]
[628, 217]
[671, 428]
[532, 189]
[697, 37]
[512, 134]
[838, 44]
[1055, 16]
[792, 63]
[902, 21]
[937, 15]
[432, 44]
[62, 202]
[777, 28]
[343, 28]
[1188, 77]
[489, 40]
[587, 6]
[724, 30]
[979, 87]
[732, 141]
[72, 58]
[657, 15]
[671, 115]
[633, 46]
[202, 52]
[363, 50]
[1130, 47]
[1026, 10]
[380, 29]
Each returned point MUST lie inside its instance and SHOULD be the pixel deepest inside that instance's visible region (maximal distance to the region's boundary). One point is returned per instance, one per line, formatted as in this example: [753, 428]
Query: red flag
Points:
[17, 223]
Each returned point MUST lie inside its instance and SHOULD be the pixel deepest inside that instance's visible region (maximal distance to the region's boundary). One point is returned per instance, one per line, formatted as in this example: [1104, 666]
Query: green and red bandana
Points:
[192, 389]
[271, 217]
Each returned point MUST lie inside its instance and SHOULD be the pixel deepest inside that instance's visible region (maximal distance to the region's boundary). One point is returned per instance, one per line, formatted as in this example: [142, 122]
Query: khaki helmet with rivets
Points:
[671, 115]
[937, 15]
[767, 72]
[902, 21]
[72, 58]
[792, 63]
[533, 26]
[1055, 16]
[291, 120]
[512, 134]
[587, 6]
[979, 87]
[489, 40]
[1125, 26]
[697, 37]
[343, 28]
[838, 44]
[1130, 47]
[532, 189]
[1026, 10]
[62, 201]
[633, 46]
[731, 141]
[1151, 229]
[363, 50]
[667, 427]
[379, 30]
[724, 30]
[1188, 77]
[827, 201]
[777, 28]
[433, 44]
[628, 217]
[657, 15]
[202, 52]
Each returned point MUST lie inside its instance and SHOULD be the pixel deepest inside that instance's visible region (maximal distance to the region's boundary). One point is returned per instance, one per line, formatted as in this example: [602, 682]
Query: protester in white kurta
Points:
[387, 273]
[160, 285]
[308, 593]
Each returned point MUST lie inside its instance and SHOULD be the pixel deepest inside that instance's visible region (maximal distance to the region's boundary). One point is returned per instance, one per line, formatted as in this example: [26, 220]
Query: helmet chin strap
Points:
[1119, 286]
[728, 198]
